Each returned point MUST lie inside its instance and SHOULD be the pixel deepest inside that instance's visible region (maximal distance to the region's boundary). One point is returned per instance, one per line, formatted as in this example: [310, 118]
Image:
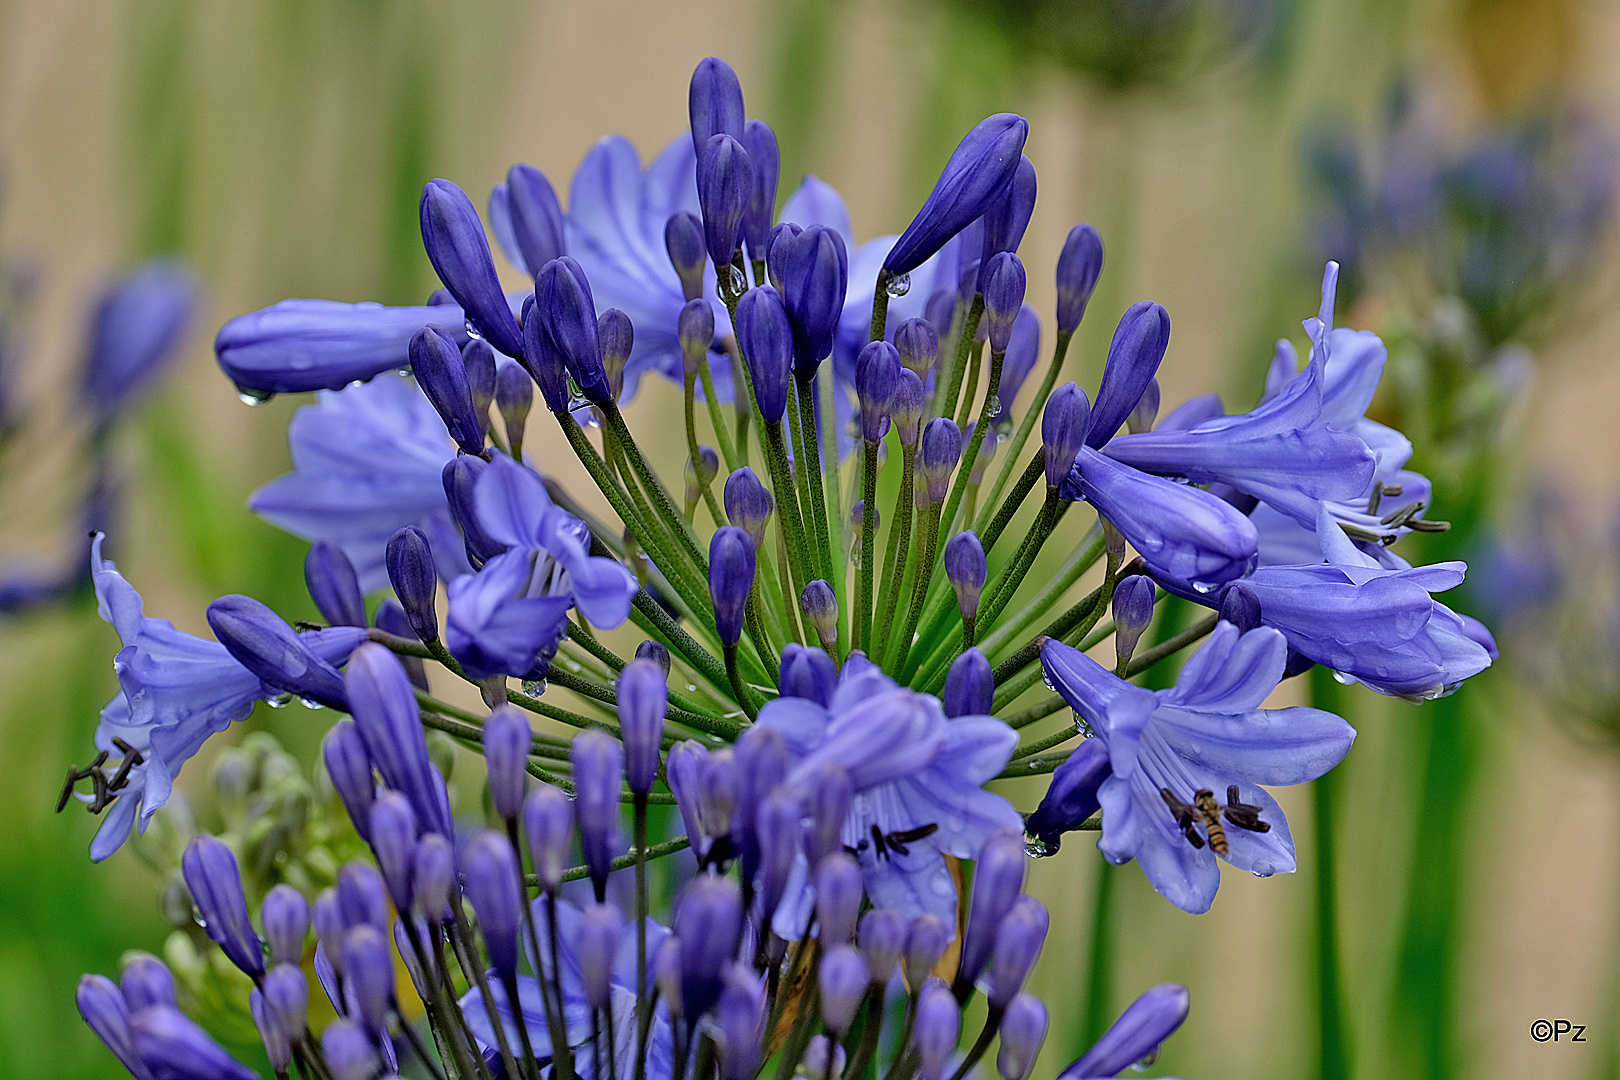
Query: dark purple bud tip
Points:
[695, 331]
[918, 344]
[411, 571]
[562, 299]
[766, 337]
[543, 359]
[1134, 355]
[1071, 798]
[457, 248]
[1146, 411]
[1003, 298]
[909, 398]
[393, 841]
[598, 772]
[390, 724]
[1241, 607]
[812, 269]
[215, 885]
[1078, 267]
[715, 102]
[998, 879]
[966, 569]
[749, 503]
[643, 699]
[820, 607]
[284, 917]
[760, 142]
[617, 337]
[507, 741]
[1063, 430]
[333, 585]
[1004, 222]
[1141, 1028]
[970, 687]
[725, 182]
[265, 645]
[807, 673]
[938, 453]
[489, 872]
[976, 174]
[478, 361]
[514, 394]
[656, 652]
[683, 239]
[842, 980]
[1133, 610]
[1023, 1030]
[440, 373]
[731, 578]
[535, 216]
[877, 379]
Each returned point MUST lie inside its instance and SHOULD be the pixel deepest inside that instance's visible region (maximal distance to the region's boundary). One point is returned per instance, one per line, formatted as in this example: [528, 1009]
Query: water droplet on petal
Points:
[253, 397]
[1147, 1062]
[309, 704]
[280, 701]
[472, 331]
[1205, 587]
[899, 285]
[1263, 869]
[1342, 679]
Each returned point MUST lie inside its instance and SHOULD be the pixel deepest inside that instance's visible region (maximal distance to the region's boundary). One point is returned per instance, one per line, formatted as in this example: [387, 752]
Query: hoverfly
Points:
[1206, 811]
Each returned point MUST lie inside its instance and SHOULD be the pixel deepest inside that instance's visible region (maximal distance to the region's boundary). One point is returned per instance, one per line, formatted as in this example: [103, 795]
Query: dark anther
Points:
[1425, 525]
[719, 854]
[1185, 816]
[1401, 516]
[1356, 532]
[878, 842]
[901, 837]
[1241, 814]
[1393, 490]
[1375, 499]
[75, 774]
[103, 797]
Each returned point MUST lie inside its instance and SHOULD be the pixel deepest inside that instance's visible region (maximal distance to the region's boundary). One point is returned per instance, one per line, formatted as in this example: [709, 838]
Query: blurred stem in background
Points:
[1334, 1041]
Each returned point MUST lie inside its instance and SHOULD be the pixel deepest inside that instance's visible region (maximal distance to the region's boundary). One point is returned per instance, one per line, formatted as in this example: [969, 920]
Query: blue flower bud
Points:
[811, 269]
[907, 410]
[617, 337]
[1147, 409]
[433, 877]
[656, 652]
[393, 841]
[731, 578]
[440, 373]
[643, 698]
[327, 918]
[333, 585]
[286, 998]
[828, 795]
[977, 173]
[779, 832]
[489, 873]
[459, 477]
[683, 240]
[284, 917]
[715, 102]
[842, 979]
[106, 1014]
[808, 673]
[1007, 218]
[135, 329]
[1003, 298]
[349, 767]
[390, 724]
[998, 879]
[277, 1044]
[146, 980]
[1139, 343]
[368, 978]
[939, 1024]
[543, 359]
[1023, 1030]
[882, 939]
[877, 378]
[1140, 1029]
[725, 182]
[966, 569]
[917, 342]
[514, 393]
[1063, 430]
[666, 974]
[457, 248]
[749, 503]
[1133, 611]
[740, 1017]
[683, 769]
[535, 216]
[265, 645]
[838, 897]
[1071, 798]
[970, 686]
[1018, 944]
[362, 897]
[415, 579]
[760, 762]
[562, 297]
[938, 453]
[766, 160]
[927, 938]
[857, 515]
[598, 772]
[708, 918]
[478, 361]
[1078, 267]
[596, 941]
[1240, 607]
[766, 338]
[820, 606]
[695, 331]
[507, 740]
[351, 1054]
[216, 888]
[170, 1046]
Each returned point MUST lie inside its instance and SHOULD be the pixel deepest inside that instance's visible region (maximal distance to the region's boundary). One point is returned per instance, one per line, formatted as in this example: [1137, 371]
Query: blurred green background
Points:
[280, 146]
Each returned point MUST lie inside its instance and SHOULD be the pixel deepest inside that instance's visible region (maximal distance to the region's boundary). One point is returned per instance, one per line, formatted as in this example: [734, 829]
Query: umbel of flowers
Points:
[826, 685]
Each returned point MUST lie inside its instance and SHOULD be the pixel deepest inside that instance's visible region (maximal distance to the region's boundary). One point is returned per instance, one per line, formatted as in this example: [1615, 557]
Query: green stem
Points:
[950, 382]
[919, 590]
[1044, 743]
[834, 523]
[717, 420]
[862, 620]
[663, 506]
[806, 449]
[880, 306]
[970, 388]
[1025, 717]
[657, 851]
[642, 909]
[1333, 1044]
[1099, 1012]
[1034, 471]
[1013, 576]
[788, 518]
[896, 552]
[745, 693]
[694, 451]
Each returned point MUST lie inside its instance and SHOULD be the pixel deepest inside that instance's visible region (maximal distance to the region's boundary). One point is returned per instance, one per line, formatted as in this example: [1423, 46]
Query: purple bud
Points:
[286, 998]
[940, 311]
[715, 102]
[1018, 945]
[1146, 411]
[1063, 430]
[907, 409]
[478, 361]
[1240, 607]
[838, 897]
[643, 699]
[333, 585]
[877, 378]
[514, 393]
[716, 793]
[368, 977]
[350, 1052]
[265, 645]
[216, 888]
[1023, 1030]
[172, 1047]
[460, 478]
[842, 979]
[535, 217]
[857, 513]
[927, 938]
[543, 359]
[548, 823]
[695, 331]
[1144, 1025]
[440, 373]
[327, 916]
[766, 338]
[740, 1017]
[349, 767]
[433, 877]
[362, 897]
[882, 940]
[489, 872]
[596, 941]
[749, 503]
[708, 917]
[785, 234]
[917, 342]
[820, 606]
[998, 879]
[656, 652]
[977, 173]
[507, 740]
[415, 579]
[731, 578]
[938, 453]
[1003, 298]
[814, 1063]
[617, 337]
[393, 841]
[1072, 796]
[1078, 267]
[812, 269]
[778, 829]
[390, 724]
[106, 1014]
[683, 770]
[277, 1043]
[562, 297]
[828, 795]
[725, 182]
[457, 248]
[598, 772]
[1133, 611]
[807, 673]
[146, 980]
[761, 763]
[683, 239]
[1007, 218]
[1139, 343]
[939, 1023]
[284, 917]
[970, 686]
[966, 569]
[766, 160]
[666, 974]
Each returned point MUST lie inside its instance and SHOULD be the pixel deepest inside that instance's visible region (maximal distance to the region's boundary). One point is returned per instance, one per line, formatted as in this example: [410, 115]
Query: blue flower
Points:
[175, 690]
[136, 327]
[918, 778]
[508, 617]
[1207, 734]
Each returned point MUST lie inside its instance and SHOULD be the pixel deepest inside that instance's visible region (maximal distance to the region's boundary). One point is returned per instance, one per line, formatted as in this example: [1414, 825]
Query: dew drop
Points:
[995, 408]
[308, 704]
[1150, 1059]
[1342, 679]
[898, 285]
[534, 687]
[1036, 848]
[472, 331]
[738, 281]
[280, 701]
[1263, 869]
[253, 397]
[691, 688]
[1204, 588]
